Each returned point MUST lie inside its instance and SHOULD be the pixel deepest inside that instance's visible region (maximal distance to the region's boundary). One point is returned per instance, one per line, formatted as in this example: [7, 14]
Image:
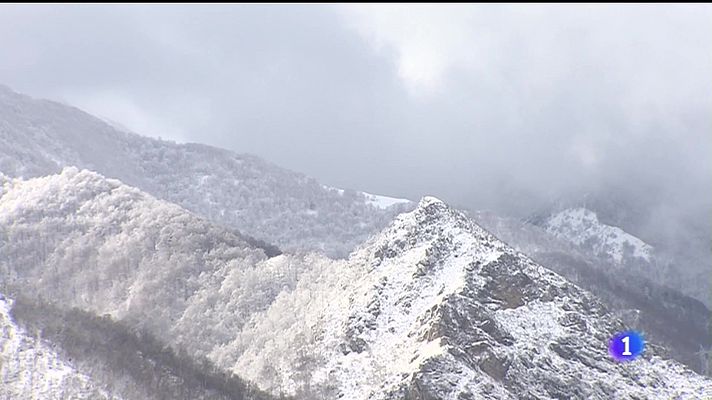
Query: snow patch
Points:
[582, 227]
[384, 202]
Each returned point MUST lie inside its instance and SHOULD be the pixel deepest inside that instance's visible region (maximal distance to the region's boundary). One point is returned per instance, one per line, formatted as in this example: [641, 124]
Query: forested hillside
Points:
[240, 191]
[84, 241]
[124, 361]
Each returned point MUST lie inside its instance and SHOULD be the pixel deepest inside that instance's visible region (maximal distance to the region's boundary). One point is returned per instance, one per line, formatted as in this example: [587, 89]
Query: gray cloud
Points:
[500, 107]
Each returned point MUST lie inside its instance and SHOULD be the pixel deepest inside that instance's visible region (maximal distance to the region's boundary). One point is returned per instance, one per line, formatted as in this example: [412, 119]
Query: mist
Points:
[501, 107]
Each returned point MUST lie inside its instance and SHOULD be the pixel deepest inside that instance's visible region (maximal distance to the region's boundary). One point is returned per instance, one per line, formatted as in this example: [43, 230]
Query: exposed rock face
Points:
[532, 334]
[677, 321]
[438, 308]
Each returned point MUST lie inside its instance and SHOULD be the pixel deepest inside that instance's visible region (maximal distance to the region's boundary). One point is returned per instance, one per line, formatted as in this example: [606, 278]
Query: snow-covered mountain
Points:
[29, 368]
[433, 307]
[79, 240]
[437, 308]
[631, 290]
[582, 227]
[47, 352]
[668, 246]
[40, 137]
[85, 241]
[687, 271]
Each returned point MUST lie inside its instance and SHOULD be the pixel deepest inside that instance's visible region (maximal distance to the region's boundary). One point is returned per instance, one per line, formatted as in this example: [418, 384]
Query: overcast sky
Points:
[487, 106]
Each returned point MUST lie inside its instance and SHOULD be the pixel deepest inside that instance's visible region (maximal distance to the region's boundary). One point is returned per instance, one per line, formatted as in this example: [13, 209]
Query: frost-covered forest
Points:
[120, 266]
[134, 268]
[112, 249]
[116, 360]
[240, 191]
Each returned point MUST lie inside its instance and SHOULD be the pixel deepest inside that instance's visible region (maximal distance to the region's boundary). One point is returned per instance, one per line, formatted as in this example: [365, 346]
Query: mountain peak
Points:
[432, 227]
[436, 307]
[430, 200]
[430, 210]
[582, 227]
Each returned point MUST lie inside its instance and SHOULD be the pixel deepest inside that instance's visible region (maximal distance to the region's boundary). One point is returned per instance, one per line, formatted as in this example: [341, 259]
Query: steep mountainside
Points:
[30, 368]
[437, 308]
[581, 226]
[433, 307]
[667, 316]
[670, 246]
[81, 240]
[39, 137]
[127, 363]
[393, 325]
[687, 271]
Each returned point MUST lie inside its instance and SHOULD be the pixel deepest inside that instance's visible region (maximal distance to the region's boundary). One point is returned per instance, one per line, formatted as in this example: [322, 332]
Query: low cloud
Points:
[503, 107]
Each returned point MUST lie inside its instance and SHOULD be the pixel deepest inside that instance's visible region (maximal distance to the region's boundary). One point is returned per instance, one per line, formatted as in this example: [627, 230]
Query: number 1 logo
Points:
[626, 346]
[626, 351]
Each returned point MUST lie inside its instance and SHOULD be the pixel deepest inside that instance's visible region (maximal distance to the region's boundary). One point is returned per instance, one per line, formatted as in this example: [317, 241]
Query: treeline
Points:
[269, 249]
[132, 364]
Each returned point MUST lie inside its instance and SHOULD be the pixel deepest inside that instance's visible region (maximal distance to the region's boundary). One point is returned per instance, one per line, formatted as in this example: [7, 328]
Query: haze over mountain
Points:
[94, 243]
[290, 210]
[504, 107]
[623, 251]
[242, 201]
[269, 203]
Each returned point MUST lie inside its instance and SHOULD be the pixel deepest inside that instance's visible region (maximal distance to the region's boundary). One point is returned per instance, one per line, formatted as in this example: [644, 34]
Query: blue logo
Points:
[626, 346]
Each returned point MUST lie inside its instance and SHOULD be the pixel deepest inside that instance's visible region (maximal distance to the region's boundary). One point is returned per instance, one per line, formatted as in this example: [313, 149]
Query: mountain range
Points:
[241, 191]
[223, 276]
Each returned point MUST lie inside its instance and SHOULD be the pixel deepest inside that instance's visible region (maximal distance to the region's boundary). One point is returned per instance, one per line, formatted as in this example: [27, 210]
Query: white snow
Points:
[375, 200]
[244, 192]
[29, 368]
[384, 202]
[387, 303]
[536, 324]
[360, 328]
[333, 189]
[386, 300]
[582, 227]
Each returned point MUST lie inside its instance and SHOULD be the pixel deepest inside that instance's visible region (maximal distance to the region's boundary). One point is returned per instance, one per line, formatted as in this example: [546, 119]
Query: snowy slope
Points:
[376, 200]
[81, 240]
[682, 263]
[435, 307]
[85, 241]
[119, 359]
[384, 202]
[29, 368]
[668, 316]
[288, 209]
[582, 227]
[77, 239]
